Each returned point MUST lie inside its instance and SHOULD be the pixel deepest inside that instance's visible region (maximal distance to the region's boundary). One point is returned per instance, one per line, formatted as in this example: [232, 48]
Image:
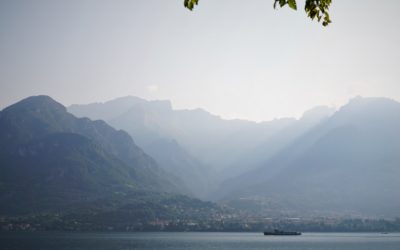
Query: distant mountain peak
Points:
[37, 103]
[318, 113]
[112, 109]
[359, 100]
[369, 106]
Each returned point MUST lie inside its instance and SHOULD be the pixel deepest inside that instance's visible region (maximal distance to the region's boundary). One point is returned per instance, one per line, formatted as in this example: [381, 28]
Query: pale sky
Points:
[234, 58]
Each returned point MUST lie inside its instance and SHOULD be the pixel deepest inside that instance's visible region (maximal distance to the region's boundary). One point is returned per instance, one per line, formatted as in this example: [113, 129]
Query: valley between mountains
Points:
[137, 164]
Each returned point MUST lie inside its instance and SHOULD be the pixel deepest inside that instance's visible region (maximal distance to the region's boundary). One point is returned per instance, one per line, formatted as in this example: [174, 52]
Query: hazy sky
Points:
[234, 58]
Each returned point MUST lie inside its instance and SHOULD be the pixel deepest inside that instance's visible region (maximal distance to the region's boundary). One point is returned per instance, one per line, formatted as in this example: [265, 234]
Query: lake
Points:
[198, 241]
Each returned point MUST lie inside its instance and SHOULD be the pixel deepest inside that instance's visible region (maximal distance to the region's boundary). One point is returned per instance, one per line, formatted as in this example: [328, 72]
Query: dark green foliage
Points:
[314, 8]
[190, 4]
[318, 9]
[292, 3]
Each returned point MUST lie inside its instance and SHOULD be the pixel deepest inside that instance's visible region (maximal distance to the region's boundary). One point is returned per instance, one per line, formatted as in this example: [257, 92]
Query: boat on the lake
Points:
[279, 232]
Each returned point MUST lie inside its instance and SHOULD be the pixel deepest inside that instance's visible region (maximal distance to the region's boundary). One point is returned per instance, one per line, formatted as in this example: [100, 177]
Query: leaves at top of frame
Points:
[190, 3]
[315, 9]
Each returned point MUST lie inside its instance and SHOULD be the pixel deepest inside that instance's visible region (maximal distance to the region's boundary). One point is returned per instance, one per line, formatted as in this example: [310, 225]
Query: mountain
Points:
[50, 160]
[327, 163]
[214, 141]
[105, 111]
[150, 124]
[176, 160]
[203, 149]
[204, 136]
[142, 119]
[282, 133]
[347, 165]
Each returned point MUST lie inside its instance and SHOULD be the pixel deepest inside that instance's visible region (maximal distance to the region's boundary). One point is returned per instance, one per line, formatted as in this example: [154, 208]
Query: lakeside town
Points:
[221, 224]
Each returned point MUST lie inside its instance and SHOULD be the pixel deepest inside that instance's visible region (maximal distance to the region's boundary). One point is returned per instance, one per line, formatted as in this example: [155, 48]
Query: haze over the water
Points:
[237, 59]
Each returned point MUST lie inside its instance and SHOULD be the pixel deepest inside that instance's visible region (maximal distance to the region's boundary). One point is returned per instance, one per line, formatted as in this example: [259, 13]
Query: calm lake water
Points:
[198, 241]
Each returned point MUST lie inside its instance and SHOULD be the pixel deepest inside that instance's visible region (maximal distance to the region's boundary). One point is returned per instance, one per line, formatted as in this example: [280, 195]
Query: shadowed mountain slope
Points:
[50, 159]
[348, 164]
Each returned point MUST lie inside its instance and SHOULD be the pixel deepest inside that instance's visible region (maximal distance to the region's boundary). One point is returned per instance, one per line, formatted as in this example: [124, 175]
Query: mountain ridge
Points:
[41, 142]
[211, 141]
[351, 157]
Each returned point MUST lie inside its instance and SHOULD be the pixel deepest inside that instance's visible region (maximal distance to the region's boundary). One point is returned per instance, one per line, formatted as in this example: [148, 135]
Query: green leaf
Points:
[190, 3]
[292, 4]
